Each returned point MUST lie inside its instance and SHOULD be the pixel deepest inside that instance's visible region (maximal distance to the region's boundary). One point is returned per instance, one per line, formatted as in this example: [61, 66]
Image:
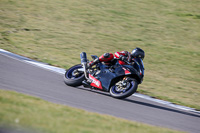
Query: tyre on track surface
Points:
[129, 91]
[73, 77]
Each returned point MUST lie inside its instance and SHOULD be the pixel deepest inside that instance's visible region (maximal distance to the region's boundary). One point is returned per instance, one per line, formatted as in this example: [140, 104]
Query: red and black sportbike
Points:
[120, 80]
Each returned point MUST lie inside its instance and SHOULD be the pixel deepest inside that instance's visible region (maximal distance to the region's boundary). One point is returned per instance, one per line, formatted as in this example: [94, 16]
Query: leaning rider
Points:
[123, 56]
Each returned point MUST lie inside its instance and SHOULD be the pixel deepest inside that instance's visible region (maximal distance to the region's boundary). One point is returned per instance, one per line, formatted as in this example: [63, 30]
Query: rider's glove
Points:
[123, 58]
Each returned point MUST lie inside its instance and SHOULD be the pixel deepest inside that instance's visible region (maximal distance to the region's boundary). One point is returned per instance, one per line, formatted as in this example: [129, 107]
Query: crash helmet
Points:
[138, 53]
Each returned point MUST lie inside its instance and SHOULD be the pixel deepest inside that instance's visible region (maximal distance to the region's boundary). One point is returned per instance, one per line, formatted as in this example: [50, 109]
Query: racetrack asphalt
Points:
[25, 78]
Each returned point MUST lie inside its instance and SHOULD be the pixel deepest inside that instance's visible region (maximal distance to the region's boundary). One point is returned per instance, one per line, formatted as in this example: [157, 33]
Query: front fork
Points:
[122, 85]
[124, 81]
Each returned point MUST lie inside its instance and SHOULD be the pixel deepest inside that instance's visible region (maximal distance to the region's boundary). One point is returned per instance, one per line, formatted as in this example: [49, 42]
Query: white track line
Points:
[52, 68]
[62, 71]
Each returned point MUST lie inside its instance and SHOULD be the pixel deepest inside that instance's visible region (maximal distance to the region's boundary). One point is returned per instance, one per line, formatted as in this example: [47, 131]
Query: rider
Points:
[123, 56]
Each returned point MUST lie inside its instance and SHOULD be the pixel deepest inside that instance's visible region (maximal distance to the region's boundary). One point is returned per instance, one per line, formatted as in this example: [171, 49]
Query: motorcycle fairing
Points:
[95, 82]
[103, 79]
[126, 71]
[106, 76]
[136, 72]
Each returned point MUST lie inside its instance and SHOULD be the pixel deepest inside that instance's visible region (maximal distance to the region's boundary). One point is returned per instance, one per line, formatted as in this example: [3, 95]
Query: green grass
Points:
[22, 111]
[56, 32]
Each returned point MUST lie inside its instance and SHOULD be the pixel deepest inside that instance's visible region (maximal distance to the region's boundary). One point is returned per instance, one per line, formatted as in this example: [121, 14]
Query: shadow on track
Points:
[160, 107]
[142, 103]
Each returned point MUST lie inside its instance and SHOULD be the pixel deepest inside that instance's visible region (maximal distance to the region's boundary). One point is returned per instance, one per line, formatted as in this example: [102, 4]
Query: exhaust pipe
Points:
[83, 57]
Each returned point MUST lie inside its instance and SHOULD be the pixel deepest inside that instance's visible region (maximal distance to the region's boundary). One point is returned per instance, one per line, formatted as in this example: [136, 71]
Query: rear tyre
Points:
[120, 92]
[73, 77]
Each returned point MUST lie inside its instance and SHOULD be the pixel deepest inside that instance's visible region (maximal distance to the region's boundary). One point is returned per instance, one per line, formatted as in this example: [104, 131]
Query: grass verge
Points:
[19, 110]
[56, 32]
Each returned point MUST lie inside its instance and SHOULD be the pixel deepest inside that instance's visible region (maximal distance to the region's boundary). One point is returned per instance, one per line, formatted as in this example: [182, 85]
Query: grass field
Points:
[56, 32]
[22, 111]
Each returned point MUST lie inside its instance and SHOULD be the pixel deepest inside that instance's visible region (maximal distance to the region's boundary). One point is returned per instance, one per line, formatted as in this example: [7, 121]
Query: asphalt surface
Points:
[25, 78]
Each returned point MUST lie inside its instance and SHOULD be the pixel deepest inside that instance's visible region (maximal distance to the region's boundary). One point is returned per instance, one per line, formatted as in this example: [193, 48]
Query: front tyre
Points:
[74, 77]
[124, 88]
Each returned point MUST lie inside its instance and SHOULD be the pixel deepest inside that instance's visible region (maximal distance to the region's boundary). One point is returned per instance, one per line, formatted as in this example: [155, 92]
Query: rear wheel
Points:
[73, 76]
[124, 88]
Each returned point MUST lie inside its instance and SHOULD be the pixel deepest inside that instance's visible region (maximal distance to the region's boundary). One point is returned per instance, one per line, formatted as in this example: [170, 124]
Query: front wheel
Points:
[73, 76]
[124, 88]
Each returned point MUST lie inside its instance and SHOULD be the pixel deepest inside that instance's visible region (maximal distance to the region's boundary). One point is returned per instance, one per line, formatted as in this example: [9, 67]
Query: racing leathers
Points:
[108, 58]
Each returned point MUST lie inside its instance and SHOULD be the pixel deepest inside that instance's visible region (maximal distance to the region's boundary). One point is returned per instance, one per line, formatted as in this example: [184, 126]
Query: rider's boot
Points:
[86, 83]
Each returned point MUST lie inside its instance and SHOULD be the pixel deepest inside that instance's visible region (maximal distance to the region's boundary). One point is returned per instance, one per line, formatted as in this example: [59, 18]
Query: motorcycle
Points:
[120, 80]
